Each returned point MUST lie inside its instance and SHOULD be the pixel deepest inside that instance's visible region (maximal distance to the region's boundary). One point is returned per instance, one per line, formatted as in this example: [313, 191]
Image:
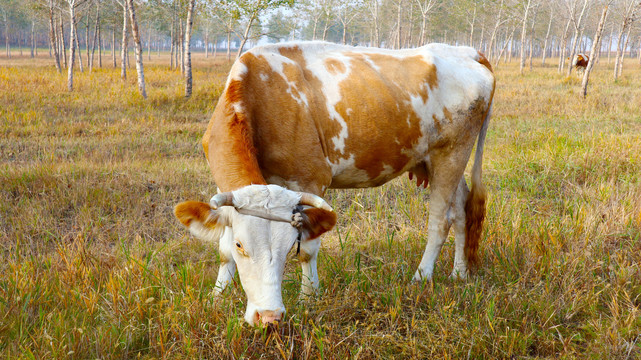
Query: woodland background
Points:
[96, 150]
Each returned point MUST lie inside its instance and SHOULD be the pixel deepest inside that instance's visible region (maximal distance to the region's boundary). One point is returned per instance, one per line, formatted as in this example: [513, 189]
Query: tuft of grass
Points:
[95, 266]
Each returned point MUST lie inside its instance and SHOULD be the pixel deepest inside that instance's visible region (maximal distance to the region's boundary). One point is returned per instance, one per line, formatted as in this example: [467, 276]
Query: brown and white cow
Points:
[310, 116]
[580, 62]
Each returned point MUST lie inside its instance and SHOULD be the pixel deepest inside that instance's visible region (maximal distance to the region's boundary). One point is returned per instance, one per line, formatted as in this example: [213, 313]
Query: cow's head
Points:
[266, 222]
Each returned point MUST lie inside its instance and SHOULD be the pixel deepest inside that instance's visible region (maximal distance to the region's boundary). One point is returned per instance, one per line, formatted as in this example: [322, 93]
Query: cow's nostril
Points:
[271, 317]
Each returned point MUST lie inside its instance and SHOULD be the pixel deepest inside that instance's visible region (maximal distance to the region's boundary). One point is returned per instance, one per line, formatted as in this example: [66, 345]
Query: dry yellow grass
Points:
[95, 266]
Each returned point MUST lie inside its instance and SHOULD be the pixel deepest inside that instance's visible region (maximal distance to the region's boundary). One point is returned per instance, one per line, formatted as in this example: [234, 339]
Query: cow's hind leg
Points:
[444, 185]
[458, 212]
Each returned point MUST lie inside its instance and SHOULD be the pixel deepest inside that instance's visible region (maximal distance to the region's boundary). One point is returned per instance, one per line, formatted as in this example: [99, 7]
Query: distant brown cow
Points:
[580, 61]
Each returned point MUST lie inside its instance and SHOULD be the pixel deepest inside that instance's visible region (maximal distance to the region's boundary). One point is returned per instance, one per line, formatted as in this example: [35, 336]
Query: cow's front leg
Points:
[227, 267]
[438, 226]
[307, 258]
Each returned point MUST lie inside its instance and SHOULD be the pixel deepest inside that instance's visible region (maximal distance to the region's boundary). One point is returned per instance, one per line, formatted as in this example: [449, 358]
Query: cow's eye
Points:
[240, 249]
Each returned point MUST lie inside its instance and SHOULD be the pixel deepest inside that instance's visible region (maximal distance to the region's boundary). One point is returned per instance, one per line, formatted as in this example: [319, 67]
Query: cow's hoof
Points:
[420, 277]
[458, 275]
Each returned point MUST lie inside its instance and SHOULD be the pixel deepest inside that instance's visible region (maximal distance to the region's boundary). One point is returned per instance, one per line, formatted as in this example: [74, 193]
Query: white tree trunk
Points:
[496, 28]
[190, 20]
[123, 49]
[113, 46]
[173, 43]
[138, 48]
[96, 32]
[523, 35]
[245, 35]
[595, 47]
[72, 45]
[33, 38]
[75, 31]
[52, 37]
[575, 40]
[547, 38]
[564, 44]
[398, 25]
[530, 55]
[625, 46]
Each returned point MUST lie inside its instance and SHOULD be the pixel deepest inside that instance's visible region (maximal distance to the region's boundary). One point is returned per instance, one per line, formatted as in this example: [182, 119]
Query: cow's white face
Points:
[262, 235]
[260, 248]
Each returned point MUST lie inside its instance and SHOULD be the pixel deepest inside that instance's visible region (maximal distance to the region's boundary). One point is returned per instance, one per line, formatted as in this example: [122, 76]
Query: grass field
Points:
[94, 265]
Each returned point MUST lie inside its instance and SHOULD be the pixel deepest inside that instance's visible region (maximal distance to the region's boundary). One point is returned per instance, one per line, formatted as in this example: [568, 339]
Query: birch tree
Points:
[7, 7]
[523, 35]
[425, 7]
[346, 12]
[499, 22]
[629, 12]
[596, 45]
[187, 47]
[373, 7]
[251, 10]
[547, 38]
[138, 47]
[577, 28]
[123, 48]
[73, 5]
[51, 6]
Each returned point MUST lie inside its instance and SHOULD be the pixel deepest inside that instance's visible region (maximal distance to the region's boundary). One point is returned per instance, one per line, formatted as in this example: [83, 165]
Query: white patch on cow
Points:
[264, 77]
[238, 70]
[277, 63]
[291, 185]
[344, 171]
[387, 171]
[372, 64]
[330, 87]
[205, 233]
[270, 199]
[238, 107]
[461, 81]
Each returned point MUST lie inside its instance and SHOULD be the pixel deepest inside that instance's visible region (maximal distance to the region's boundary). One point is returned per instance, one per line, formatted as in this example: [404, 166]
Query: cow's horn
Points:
[224, 199]
[315, 201]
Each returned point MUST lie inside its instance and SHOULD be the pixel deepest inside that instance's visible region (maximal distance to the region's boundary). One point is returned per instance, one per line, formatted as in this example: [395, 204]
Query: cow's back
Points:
[319, 115]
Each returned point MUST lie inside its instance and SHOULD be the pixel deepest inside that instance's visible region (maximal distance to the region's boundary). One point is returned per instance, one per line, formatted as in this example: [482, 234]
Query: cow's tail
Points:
[475, 204]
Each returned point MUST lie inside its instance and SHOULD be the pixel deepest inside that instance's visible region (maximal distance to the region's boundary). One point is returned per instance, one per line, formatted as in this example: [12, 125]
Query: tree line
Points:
[502, 29]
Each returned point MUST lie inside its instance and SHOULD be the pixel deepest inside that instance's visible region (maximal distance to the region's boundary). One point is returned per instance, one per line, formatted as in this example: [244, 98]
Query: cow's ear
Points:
[317, 222]
[202, 221]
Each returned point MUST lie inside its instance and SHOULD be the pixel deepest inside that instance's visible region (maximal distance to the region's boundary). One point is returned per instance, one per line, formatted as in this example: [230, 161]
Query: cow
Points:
[580, 62]
[296, 119]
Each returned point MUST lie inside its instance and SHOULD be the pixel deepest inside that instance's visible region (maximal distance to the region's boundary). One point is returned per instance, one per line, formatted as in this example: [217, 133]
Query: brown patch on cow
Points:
[447, 114]
[388, 103]
[287, 132]
[188, 211]
[437, 124]
[229, 142]
[474, 218]
[335, 66]
[582, 61]
[304, 257]
[483, 61]
[317, 222]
